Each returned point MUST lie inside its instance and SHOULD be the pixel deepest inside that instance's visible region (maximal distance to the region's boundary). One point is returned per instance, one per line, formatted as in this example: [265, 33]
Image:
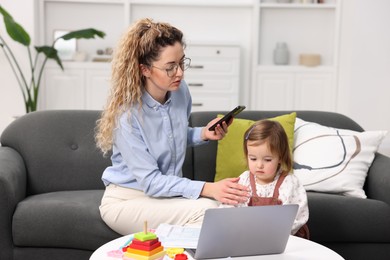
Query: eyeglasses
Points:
[172, 69]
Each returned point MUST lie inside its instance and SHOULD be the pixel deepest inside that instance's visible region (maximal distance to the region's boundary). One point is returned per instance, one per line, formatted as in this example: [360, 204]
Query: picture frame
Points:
[65, 48]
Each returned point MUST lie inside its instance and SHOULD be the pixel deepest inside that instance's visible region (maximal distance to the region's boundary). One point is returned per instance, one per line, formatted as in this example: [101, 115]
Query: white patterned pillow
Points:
[333, 160]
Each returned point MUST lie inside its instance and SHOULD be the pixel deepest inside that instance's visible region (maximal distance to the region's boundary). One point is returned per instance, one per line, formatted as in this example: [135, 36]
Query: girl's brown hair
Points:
[272, 133]
[141, 44]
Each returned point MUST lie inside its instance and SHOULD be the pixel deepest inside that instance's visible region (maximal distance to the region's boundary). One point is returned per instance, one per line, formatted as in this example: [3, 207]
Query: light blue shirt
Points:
[150, 146]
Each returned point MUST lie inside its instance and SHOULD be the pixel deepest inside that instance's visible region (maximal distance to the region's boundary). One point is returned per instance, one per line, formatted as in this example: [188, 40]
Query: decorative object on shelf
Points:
[103, 55]
[284, 1]
[281, 54]
[310, 60]
[80, 56]
[30, 87]
[102, 58]
[108, 51]
[65, 49]
[307, 1]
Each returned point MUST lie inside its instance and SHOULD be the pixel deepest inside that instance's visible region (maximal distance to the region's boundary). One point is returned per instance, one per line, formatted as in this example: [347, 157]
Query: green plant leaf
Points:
[50, 53]
[4, 12]
[83, 34]
[15, 30]
[18, 34]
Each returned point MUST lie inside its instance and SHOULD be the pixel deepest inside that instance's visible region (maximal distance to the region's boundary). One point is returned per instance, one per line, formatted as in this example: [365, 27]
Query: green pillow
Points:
[231, 161]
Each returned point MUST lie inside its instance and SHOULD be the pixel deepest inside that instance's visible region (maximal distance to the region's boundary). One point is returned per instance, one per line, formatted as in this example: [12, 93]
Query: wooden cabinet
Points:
[213, 77]
[62, 89]
[80, 86]
[315, 91]
[273, 91]
[294, 89]
[230, 42]
[306, 29]
[213, 80]
[97, 87]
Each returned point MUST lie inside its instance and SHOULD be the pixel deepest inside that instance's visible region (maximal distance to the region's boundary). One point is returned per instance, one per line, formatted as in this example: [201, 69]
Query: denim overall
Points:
[274, 200]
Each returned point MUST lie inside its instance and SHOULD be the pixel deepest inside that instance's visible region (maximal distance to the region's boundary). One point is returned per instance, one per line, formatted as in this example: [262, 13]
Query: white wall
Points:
[11, 101]
[364, 79]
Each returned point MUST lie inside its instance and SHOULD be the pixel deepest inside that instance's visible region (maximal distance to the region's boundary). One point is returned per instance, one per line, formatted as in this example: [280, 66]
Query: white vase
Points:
[281, 54]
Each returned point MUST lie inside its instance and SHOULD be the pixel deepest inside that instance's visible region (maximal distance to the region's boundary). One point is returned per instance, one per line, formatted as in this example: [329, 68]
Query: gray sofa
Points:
[50, 190]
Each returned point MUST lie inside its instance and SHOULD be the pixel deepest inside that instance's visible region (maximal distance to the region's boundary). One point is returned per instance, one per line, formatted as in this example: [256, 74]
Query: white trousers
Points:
[124, 210]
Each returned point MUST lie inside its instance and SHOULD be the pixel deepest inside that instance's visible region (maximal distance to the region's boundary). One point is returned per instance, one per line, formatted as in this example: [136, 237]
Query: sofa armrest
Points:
[377, 184]
[12, 190]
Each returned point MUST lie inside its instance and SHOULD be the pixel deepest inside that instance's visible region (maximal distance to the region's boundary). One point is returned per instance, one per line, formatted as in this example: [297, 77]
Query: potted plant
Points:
[30, 86]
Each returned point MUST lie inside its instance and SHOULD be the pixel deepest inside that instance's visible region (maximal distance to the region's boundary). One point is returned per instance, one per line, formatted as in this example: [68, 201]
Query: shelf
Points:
[296, 24]
[223, 3]
[297, 6]
[254, 26]
[79, 65]
[87, 1]
[71, 16]
[297, 68]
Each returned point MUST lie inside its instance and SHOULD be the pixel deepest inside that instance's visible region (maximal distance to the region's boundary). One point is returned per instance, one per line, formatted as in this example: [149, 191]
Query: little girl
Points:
[269, 161]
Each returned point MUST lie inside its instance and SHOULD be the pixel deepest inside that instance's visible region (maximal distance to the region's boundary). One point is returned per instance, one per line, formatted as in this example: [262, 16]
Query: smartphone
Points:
[227, 117]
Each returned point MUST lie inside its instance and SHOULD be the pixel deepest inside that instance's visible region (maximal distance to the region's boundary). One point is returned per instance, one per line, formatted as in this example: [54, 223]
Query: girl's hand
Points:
[226, 191]
[219, 132]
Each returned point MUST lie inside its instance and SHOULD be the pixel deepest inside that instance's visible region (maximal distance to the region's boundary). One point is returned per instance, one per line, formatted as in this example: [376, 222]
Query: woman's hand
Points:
[219, 132]
[226, 191]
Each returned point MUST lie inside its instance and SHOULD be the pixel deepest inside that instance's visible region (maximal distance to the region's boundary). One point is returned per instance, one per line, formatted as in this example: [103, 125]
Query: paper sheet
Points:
[178, 236]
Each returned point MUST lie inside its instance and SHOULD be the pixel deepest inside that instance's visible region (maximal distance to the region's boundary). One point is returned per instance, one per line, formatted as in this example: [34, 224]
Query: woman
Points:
[145, 124]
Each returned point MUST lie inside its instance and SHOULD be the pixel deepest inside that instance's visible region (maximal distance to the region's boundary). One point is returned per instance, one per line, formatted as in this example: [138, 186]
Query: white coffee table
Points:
[297, 248]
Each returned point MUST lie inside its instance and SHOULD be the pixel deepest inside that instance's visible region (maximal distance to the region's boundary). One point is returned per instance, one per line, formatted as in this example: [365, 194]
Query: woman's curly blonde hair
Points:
[141, 44]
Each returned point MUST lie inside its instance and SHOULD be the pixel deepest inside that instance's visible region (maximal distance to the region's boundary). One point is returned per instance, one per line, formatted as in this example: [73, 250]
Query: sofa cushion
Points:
[204, 168]
[231, 161]
[59, 143]
[65, 219]
[338, 218]
[333, 160]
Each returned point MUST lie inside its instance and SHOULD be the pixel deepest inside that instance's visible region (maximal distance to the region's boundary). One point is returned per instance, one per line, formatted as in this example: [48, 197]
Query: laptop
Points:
[244, 231]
